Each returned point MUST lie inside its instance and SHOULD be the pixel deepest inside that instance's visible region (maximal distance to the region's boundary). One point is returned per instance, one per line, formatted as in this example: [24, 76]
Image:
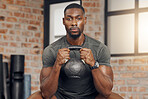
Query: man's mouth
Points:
[74, 29]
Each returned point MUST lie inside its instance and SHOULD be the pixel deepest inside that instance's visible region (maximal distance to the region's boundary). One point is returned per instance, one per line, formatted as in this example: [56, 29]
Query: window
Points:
[126, 27]
[53, 23]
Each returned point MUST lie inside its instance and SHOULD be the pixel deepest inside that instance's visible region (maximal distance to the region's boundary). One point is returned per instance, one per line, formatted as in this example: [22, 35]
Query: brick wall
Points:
[21, 32]
[131, 76]
[95, 18]
[130, 73]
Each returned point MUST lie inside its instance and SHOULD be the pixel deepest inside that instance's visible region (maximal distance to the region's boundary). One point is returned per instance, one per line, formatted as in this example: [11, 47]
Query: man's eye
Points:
[69, 19]
[79, 18]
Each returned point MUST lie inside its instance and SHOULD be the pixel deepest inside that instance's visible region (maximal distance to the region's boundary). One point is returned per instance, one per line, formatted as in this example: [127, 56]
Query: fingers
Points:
[65, 60]
[87, 55]
[63, 56]
[66, 50]
[84, 53]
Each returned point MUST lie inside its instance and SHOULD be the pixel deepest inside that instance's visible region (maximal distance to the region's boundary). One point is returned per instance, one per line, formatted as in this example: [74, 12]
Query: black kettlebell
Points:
[75, 68]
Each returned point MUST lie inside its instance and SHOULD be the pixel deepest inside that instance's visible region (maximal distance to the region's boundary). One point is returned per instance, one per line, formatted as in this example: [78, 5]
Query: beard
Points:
[74, 36]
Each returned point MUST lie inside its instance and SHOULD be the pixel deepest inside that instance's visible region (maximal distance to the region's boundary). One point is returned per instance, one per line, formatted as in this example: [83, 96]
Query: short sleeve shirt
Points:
[99, 50]
[76, 88]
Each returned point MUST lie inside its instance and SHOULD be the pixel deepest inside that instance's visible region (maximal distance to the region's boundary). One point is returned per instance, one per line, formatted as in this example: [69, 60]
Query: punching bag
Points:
[6, 81]
[17, 76]
[1, 78]
[27, 86]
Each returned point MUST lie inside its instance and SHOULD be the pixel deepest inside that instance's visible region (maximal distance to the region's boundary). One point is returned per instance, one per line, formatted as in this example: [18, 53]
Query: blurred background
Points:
[28, 26]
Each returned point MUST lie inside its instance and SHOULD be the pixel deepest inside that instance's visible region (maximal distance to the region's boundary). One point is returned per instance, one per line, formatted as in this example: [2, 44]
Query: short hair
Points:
[74, 5]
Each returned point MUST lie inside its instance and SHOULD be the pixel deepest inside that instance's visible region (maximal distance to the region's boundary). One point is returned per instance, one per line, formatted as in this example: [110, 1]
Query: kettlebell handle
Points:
[74, 47]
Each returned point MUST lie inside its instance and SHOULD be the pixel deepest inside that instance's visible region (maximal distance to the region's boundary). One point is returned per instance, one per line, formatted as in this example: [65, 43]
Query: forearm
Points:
[50, 84]
[102, 76]
[103, 83]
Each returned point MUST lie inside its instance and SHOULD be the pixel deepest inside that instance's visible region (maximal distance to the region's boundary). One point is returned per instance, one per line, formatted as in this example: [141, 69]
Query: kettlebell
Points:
[75, 68]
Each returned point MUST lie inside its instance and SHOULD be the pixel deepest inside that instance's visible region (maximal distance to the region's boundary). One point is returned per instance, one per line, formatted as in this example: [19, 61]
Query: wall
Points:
[130, 73]
[21, 32]
[131, 76]
[95, 18]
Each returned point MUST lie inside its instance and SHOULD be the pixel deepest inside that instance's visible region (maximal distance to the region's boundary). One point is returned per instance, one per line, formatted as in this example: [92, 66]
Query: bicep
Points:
[45, 72]
[48, 57]
[107, 71]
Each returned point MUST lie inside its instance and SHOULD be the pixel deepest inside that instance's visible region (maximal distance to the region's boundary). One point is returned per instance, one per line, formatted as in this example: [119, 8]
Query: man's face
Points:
[74, 21]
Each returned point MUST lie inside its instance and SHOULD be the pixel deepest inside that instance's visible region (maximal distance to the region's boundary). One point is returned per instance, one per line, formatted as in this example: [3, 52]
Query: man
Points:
[99, 82]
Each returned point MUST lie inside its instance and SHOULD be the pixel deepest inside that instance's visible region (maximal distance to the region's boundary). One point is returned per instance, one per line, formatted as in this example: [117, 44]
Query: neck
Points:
[77, 41]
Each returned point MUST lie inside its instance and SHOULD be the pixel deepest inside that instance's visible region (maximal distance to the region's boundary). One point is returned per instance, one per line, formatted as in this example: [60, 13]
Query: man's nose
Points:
[74, 22]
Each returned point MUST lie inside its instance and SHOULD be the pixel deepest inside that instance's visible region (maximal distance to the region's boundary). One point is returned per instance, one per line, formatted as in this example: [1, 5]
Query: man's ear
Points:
[85, 20]
[63, 22]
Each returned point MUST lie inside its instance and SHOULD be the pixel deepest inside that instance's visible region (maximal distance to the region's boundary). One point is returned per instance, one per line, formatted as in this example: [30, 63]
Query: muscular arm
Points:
[50, 75]
[49, 81]
[103, 79]
[102, 76]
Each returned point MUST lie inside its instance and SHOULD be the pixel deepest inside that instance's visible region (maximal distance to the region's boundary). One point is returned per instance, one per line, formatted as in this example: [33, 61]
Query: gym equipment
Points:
[1, 78]
[74, 73]
[74, 68]
[27, 86]
[17, 76]
[6, 81]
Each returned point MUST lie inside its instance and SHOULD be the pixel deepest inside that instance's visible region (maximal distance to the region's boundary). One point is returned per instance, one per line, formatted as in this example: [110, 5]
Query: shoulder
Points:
[94, 43]
[57, 44]
[98, 48]
[100, 51]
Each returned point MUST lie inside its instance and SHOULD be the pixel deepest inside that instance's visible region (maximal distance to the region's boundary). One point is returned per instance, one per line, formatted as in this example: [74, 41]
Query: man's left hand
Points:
[87, 55]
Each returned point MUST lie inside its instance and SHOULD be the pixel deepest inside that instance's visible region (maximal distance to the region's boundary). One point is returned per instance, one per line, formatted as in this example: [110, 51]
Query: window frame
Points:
[47, 18]
[134, 11]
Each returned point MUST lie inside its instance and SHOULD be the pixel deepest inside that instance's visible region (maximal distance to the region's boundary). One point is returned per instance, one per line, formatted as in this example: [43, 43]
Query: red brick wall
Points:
[130, 73]
[21, 32]
[95, 18]
[131, 76]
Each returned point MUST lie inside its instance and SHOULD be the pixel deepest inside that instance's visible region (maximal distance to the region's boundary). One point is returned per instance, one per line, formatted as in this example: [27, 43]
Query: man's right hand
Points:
[62, 56]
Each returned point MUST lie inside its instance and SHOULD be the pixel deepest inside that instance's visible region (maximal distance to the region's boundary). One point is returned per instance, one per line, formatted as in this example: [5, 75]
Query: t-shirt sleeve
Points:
[104, 56]
[48, 57]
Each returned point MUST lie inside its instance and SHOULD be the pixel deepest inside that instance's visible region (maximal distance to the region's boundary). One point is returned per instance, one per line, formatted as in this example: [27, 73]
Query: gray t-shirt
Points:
[76, 88]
